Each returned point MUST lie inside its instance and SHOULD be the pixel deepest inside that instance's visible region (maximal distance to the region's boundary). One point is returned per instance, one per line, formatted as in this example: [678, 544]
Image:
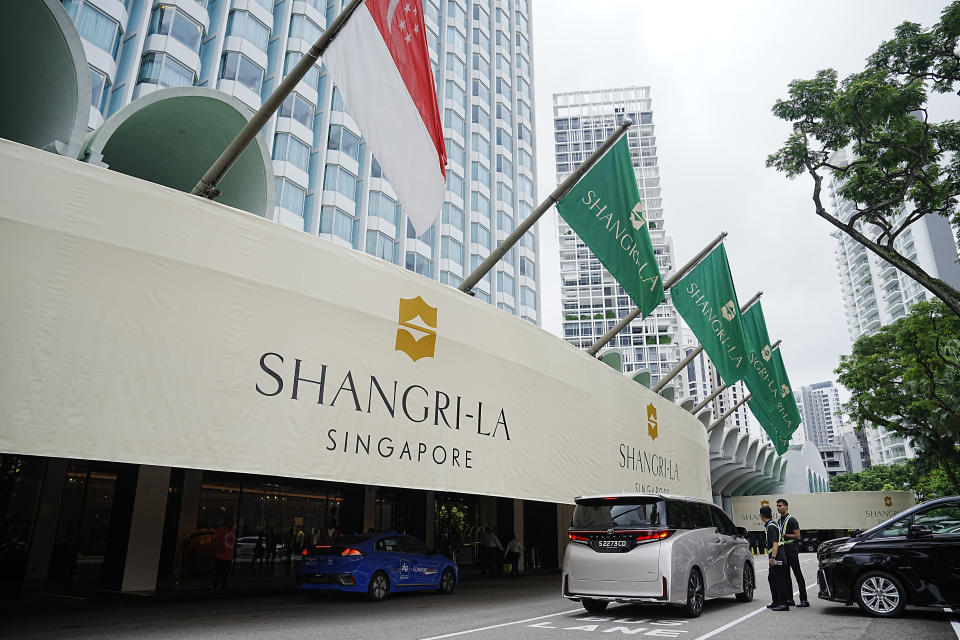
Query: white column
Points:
[146, 529]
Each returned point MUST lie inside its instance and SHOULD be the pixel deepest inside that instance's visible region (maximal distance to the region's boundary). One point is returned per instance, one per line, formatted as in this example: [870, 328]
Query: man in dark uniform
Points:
[790, 532]
[777, 575]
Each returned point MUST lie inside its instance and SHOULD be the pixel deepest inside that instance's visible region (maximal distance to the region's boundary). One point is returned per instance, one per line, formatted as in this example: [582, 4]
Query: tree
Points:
[898, 476]
[902, 166]
[906, 378]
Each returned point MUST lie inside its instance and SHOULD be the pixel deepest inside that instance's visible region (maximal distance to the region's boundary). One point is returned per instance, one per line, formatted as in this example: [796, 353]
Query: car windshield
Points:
[606, 513]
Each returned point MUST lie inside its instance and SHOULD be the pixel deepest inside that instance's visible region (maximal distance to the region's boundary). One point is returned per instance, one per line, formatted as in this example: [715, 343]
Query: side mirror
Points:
[919, 531]
[742, 532]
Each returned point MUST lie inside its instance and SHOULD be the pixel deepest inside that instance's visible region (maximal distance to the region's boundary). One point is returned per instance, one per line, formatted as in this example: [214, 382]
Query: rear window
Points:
[688, 515]
[604, 513]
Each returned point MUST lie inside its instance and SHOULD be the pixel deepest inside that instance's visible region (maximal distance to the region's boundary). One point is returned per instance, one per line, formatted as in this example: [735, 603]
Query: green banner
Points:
[789, 409]
[763, 381]
[707, 301]
[605, 211]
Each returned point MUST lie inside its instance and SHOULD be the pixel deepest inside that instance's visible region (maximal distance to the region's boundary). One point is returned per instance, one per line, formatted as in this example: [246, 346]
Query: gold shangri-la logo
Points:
[887, 501]
[425, 346]
[652, 426]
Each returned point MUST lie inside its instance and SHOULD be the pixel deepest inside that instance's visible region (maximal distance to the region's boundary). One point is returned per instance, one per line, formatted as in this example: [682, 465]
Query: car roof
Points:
[659, 496]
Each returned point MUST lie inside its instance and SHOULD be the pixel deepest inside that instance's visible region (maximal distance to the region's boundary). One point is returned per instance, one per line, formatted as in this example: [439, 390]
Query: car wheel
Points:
[447, 582]
[748, 584]
[811, 547]
[594, 606]
[694, 606]
[379, 587]
[880, 595]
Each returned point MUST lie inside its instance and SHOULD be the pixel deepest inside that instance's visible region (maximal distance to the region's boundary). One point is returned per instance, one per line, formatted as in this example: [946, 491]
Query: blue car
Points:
[375, 564]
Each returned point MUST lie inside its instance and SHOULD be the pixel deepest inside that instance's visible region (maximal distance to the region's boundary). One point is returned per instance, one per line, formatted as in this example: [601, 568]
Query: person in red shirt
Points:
[225, 540]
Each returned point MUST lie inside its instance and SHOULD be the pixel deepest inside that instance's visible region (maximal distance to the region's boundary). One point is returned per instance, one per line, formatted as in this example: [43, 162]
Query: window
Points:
[296, 107]
[419, 264]
[480, 234]
[528, 297]
[526, 186]
[291, 149]
[375, 170]
[504, 139]
[898, 528]
[504, 193]
[96, 27]
[450, 279]
[481, 117]
[426, 237]
[382, 206]
[289, 196]
[100, 89]
[240, 68]
[503, 40]
[942, 520]
[456, 14]
[505, 283]
[504, 89]
[504, 113]
[338, 223]
[480, 173]
[453, 215]
[523, 110]
[430, 10]
[480, 39]
[481, 66]
[338, 179]
[245, 25]
[336, 103]
[167, 20]
[598, 513]
[503, 18]
[481, 90]
[381, 246]
[456, 66]
[451, 250]
[480, 14]
[452, 120]
[528, 268]
[524, 209]
[456, 153]
[456, 40]
[480, 203]
[504, 165]
[345, 141]
[455, 93]
[304, 28]
[504, 222]
[528, 242]
[523, 65]
[480, 145]
[312, 77]
[164, 70]
[455, 184]
[722, 522]
[524, 159]
[524, 134]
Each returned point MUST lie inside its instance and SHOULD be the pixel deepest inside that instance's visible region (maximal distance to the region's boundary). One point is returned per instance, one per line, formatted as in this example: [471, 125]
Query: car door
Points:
[728, 546]
[707, 545]
[933, 549]
[424, 568]
[392, 559]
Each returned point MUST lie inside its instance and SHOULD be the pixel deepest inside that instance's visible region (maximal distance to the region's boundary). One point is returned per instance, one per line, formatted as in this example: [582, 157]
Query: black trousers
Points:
[793, 560]
[779, 579]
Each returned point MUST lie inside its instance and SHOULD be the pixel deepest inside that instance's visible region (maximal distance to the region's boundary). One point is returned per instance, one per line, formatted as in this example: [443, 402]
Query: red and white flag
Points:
[381, 64]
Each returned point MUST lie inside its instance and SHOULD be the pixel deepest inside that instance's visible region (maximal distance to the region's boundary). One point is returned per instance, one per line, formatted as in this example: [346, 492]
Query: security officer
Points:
[777, 576]
[790, 539]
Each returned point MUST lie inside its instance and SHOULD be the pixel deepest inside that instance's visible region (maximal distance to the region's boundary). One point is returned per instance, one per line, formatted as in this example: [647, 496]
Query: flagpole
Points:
[719, 421]
[207, 186]
[471, 280]
[693, 354]
[672, 280]
[721, 388]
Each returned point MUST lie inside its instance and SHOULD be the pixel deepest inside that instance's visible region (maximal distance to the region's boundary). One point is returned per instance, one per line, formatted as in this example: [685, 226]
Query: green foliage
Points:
[897, 155]
[906, 378]
[909, 476]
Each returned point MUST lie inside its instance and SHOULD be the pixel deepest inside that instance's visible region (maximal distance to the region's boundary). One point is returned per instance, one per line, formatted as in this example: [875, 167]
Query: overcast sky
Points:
[715, 69]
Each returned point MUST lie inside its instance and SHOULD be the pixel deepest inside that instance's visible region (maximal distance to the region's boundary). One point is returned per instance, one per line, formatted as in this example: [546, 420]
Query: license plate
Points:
[610, 545]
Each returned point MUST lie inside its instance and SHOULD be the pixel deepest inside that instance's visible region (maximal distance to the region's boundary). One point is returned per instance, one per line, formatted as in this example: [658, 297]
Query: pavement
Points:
[481, 608]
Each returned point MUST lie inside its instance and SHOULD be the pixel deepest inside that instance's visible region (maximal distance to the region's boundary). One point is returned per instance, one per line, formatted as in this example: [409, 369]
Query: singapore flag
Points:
[381, 64]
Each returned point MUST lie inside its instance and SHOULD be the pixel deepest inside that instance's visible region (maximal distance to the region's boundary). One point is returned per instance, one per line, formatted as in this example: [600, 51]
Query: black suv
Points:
[913, 558]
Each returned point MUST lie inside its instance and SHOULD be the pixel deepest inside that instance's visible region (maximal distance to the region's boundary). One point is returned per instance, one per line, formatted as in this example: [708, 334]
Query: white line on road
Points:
[953, 623]
[734, 623]
[505, 624]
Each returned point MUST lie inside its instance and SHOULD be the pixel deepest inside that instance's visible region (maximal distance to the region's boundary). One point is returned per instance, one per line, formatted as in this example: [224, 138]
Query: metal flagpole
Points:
[721, 389]
[617, 328]
[683, 363]
[729, 413]
[207, 186]
[471, 280]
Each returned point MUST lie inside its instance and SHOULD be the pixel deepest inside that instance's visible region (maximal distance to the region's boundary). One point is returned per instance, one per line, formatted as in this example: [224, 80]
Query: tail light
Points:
[350, 551]
[657, 534]
[576, 537]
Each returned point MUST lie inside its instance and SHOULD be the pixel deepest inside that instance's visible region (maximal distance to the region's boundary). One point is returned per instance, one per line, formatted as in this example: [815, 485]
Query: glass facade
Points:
[328, 181]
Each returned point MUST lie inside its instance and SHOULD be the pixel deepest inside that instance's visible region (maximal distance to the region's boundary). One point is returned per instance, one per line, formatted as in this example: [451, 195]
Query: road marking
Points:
[953, 623]
[734, 623]
[505, 624]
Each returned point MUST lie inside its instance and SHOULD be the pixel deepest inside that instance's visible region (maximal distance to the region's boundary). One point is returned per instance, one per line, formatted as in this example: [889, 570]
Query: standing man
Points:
[790, 533]
[225, 540]
[777, 575]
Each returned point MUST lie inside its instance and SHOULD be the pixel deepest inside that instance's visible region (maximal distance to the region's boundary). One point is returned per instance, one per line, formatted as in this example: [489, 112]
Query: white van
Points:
[656, 549]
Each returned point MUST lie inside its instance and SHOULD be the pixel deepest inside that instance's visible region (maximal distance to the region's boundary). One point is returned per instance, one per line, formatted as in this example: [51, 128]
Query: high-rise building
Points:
[875, 293]
[327, 181]
[593, 301]
[821, 413]
[700, 379]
